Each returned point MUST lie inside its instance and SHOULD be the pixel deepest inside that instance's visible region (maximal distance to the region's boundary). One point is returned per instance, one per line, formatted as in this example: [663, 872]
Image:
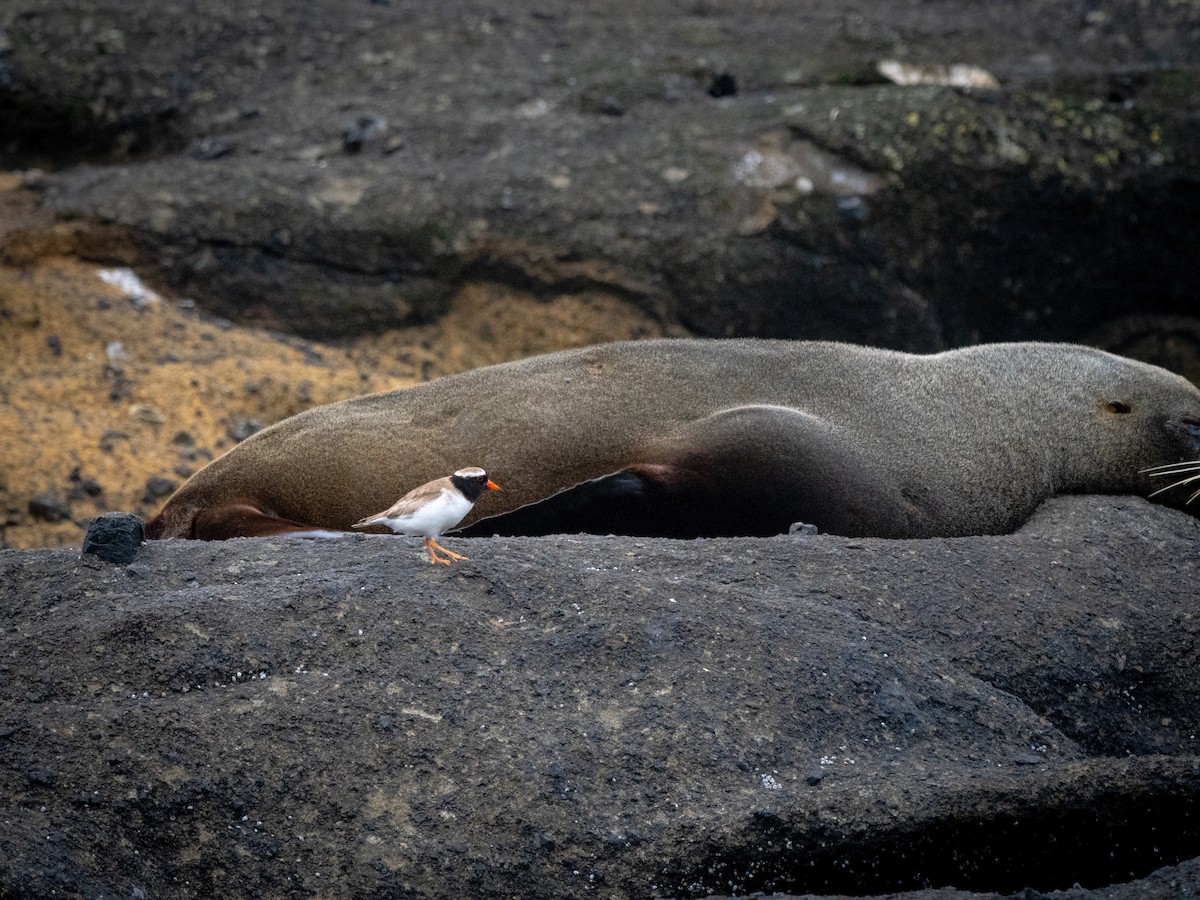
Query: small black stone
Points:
[109, 439]
[114, 537]
[121, 389]
[86, 487]
[43, 777]
[852, 210]
[211, 148]
[49, 509]
[722, 85]
[158, 487]
[365, 127]
[814, 777]
[54, 342]
[244, 428]
[610, 106]
[602, 103]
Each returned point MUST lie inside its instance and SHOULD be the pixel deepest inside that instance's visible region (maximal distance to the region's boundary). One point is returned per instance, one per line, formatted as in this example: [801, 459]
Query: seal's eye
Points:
[1118, 406]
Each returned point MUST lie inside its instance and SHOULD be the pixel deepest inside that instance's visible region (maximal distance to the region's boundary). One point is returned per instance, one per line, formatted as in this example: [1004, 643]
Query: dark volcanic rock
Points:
[736, 169]
[573, 716]
[114, 537]
[49, 508]
[157, 488]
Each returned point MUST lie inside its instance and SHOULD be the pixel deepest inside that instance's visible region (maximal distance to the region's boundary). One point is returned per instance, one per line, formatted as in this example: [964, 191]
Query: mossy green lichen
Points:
[1083, 140]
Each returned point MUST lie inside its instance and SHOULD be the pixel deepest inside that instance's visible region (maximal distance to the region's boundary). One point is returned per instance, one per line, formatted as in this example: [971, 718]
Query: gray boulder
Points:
[114, 537]
[733, 169]
[600, 716]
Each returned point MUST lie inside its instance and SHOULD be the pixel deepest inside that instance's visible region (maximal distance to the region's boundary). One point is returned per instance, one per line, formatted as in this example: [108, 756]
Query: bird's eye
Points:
[1118, 406]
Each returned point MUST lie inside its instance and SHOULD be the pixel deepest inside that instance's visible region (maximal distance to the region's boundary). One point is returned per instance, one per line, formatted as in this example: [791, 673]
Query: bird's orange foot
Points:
[449, 553]
[433, 557]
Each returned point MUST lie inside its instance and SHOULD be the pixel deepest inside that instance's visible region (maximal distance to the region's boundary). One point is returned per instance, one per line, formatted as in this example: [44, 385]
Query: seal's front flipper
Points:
[220, 523]
[744, 471]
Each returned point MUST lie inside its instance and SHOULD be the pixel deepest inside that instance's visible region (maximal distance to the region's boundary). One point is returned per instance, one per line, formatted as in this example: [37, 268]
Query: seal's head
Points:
[1146, 419]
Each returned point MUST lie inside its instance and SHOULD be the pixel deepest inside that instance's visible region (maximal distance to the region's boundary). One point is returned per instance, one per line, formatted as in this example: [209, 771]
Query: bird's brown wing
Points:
[409, 503]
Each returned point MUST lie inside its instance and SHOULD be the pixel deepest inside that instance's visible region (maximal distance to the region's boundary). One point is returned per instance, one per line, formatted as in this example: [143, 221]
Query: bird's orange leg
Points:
[449, 553]
[430, 543]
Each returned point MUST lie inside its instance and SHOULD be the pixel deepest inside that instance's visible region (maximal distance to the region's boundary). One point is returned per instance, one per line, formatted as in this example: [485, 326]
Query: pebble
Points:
[48, 508]
[610, 106]
[85, 487]
[114, 537]
[722, 85]
[244, 428]
[158, 487]
[364, 128]
[210, 148]
[147, 414]
[109, 439]
[852, 210]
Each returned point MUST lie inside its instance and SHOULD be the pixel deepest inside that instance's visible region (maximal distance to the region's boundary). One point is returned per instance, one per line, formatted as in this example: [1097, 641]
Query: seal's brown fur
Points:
[694, 437]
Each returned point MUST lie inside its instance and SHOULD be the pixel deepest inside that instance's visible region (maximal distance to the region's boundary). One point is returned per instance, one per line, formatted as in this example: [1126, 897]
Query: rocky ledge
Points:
[575, 716]
[908, 175]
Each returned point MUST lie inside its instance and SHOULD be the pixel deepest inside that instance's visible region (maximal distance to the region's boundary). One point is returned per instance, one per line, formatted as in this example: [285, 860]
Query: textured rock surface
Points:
[583, 715]
[455, 185]
[731, 168]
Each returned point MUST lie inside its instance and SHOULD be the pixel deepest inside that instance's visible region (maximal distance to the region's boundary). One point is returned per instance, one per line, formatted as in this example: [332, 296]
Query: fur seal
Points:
[701, 437]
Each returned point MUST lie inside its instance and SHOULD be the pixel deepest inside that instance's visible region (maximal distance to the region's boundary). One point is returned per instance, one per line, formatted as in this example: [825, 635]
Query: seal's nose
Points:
[1192, 427]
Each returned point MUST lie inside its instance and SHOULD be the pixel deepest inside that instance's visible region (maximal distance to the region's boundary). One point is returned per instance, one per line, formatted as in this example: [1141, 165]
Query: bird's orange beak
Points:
[492, 486]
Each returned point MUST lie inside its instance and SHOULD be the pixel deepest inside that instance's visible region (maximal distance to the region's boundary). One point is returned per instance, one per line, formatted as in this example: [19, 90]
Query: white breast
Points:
[443, 512]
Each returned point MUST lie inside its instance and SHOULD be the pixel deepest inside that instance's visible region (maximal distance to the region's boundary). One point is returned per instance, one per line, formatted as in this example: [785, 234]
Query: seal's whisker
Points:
[1172, 469]
[1180, 483]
